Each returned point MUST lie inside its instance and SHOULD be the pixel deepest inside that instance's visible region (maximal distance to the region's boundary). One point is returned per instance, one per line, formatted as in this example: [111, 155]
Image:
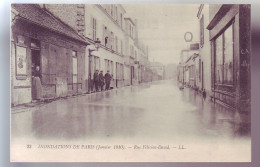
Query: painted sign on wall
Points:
[21, 61]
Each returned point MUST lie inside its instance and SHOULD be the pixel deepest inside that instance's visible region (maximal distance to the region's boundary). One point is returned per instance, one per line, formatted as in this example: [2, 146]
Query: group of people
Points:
[100, 80]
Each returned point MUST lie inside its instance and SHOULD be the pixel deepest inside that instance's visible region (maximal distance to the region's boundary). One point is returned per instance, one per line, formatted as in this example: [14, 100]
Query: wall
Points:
[20, 89]
[205, 52]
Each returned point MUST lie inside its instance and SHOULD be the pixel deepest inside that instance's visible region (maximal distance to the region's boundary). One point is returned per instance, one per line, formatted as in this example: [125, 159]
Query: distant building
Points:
[170, 71]
[158, 70]
[188, 67]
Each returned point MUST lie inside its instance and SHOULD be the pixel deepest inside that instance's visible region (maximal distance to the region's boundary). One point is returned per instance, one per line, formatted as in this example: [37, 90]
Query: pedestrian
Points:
[96, 80]
[36, 84]
[101, 80]
[108, 78]
[204, 94]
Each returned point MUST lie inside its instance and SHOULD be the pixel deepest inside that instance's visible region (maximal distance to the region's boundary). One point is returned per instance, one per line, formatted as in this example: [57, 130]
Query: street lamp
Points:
[97, 43]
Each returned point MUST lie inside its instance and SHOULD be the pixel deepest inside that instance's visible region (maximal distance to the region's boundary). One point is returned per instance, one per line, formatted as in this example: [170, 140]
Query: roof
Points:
[35, 14]
[128, 18]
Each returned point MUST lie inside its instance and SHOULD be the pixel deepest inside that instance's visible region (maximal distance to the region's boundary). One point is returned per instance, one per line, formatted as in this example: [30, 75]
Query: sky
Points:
[162, 27]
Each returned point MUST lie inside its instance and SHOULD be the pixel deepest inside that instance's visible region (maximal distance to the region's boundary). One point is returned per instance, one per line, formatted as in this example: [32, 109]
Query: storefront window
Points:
[224, 57]
[228, 56]
[219, 59]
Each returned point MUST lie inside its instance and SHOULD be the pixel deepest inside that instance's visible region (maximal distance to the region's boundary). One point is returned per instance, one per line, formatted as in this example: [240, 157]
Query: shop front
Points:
[41, 42]
[230, 53]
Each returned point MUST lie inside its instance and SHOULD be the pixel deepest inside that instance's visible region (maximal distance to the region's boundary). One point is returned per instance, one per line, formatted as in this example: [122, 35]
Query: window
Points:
[228, 55]
[112, 40]
[202, 31]
[111, 68]
[105, 36]
[94, 27]
[74, 67]
[116, 13]
[121, 47]
[132, 32]
[96, 63]
[121, 19]
[116, 43]
[224, 57]
[112, 10]
[200, 70]
[130, 29]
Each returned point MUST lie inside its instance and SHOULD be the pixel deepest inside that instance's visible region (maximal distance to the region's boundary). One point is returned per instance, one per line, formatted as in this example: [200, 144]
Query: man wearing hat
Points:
[107, 80]
[101, 80]
[96, 80]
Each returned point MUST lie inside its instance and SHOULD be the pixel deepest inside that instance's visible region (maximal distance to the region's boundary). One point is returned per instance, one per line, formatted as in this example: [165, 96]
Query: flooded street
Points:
[158, 112]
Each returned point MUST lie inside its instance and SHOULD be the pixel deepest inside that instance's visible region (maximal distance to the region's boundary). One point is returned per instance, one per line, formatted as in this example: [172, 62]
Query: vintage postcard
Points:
[130, 82]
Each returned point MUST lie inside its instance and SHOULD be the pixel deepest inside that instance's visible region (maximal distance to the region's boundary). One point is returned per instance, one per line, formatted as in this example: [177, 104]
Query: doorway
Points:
[132, 74]
[74, 72]
[36, 61]
[202, 76]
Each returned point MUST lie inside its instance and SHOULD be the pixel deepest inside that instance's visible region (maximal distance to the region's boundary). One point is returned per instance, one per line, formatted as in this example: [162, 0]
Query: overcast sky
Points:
[162, 28]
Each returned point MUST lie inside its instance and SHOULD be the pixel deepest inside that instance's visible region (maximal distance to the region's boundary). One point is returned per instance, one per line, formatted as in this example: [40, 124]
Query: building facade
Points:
[229, 36]
[223, 63]
[38, 38]
[70, 42]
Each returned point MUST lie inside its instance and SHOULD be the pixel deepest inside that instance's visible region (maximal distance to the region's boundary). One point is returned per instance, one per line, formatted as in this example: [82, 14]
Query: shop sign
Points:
[188, 36]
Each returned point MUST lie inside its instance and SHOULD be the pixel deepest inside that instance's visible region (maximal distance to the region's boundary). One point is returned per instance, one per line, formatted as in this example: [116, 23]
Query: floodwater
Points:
[155, 112]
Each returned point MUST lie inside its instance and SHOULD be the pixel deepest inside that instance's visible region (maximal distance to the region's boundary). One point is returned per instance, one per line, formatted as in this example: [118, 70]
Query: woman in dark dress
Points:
[36, 84]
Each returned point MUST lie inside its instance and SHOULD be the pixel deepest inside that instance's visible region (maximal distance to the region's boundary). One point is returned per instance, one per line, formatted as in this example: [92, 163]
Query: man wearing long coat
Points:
[101, 80]
[108, 78]
[96, 80]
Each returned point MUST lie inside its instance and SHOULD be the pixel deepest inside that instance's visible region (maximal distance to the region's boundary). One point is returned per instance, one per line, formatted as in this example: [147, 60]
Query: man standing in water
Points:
[107, 80]
[101, 80]
[96, 80]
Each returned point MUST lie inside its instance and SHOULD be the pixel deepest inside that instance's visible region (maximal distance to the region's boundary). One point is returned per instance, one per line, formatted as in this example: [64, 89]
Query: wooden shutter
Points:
[45, 65]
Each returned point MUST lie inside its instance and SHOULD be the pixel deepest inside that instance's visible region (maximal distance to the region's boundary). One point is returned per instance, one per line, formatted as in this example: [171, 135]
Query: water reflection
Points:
[74, 120]
[216, 118]
[154, 111]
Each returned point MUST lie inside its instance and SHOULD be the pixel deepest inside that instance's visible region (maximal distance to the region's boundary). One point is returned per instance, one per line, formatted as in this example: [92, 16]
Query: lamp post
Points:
[97, 45]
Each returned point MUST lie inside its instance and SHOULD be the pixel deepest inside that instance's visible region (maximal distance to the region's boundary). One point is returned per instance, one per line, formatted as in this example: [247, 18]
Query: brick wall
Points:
[71, 14]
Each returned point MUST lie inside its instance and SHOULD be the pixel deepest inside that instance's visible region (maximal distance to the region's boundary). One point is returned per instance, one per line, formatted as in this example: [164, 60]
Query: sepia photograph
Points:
[130, 82]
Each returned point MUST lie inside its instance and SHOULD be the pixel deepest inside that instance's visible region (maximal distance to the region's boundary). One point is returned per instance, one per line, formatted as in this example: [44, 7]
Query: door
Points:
[117, 74]
[202, 75]
[132, 74]
[75, 71]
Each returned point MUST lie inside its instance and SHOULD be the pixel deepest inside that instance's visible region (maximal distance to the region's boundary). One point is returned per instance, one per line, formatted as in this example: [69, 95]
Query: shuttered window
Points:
[94, 29]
